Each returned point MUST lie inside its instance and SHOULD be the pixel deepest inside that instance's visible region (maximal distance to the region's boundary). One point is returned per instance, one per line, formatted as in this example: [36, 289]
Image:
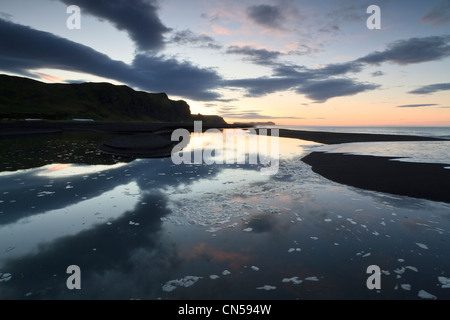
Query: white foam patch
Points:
[266, 287]
[412, 268]
[255, 268]
[445, 282]
[314, 238]
[5, 277]
[426, 295]
[400, 270]
[248, 229]
[214, 277]
[294, 280]
[185, 282]
[226, 272]
[406, 287]
[312, 279]
[327, 220]
[423, 246]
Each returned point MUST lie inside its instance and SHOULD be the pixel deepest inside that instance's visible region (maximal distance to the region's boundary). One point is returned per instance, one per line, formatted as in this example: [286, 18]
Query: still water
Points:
[150, 229]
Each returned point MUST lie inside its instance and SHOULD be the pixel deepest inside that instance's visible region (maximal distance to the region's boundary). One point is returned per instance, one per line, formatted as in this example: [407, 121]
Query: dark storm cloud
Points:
[432, 88]
[139, 18]
[258, 56]
[265, 15]
[316, 84]
[414, 50]
[187, 37]
[30, 49]
[323, 90]
[438, 14]
[417, 105]
[257, 87]
[340, 69]
[180, 78]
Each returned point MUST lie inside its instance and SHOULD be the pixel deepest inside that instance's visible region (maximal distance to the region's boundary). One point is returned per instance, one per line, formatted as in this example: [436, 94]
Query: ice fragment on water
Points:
[406, 287]
[255, 268]
[312, 279]
[5, 277]
[421, 245]
[400, 270]
[226, 272]
[445, 282]
[185, 282]
[214, 277]
[412, 268]
[248, 229]
[266, 287]
[294, 280]
[426, 295]
[314, 238]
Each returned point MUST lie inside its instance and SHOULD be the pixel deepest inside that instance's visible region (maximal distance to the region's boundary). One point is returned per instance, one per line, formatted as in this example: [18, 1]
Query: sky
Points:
[292, 62]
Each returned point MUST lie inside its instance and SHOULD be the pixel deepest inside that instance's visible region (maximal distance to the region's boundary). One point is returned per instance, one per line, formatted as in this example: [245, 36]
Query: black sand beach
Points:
[419, 180]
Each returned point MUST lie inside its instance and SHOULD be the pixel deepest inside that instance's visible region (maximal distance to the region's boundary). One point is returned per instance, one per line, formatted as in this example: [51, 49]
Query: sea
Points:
[76, 223]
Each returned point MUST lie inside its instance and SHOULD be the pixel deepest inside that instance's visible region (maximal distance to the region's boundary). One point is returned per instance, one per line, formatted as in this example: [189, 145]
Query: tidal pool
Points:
[150, 229]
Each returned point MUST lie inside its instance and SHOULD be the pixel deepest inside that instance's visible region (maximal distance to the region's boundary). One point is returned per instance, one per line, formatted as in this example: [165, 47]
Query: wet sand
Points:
[420, 180]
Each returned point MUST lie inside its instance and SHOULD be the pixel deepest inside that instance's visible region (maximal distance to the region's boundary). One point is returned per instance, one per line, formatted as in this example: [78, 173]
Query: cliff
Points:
[22, 98]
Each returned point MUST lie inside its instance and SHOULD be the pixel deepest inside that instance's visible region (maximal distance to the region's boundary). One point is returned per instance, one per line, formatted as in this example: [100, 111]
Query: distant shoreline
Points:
[10, 128]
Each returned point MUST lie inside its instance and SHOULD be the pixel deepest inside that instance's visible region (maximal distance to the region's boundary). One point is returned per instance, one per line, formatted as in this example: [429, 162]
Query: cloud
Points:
[139, 18]
[323, 90]
[339, 69]
[257, 87]
[438, 14]
[417, 105]
[30, 49]
[179, 78]
[230, 112]
[432, 88]
[188, 37]
[258, 56]
[265, 15]
[414, 50]
[5, 16]
[377, 74]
